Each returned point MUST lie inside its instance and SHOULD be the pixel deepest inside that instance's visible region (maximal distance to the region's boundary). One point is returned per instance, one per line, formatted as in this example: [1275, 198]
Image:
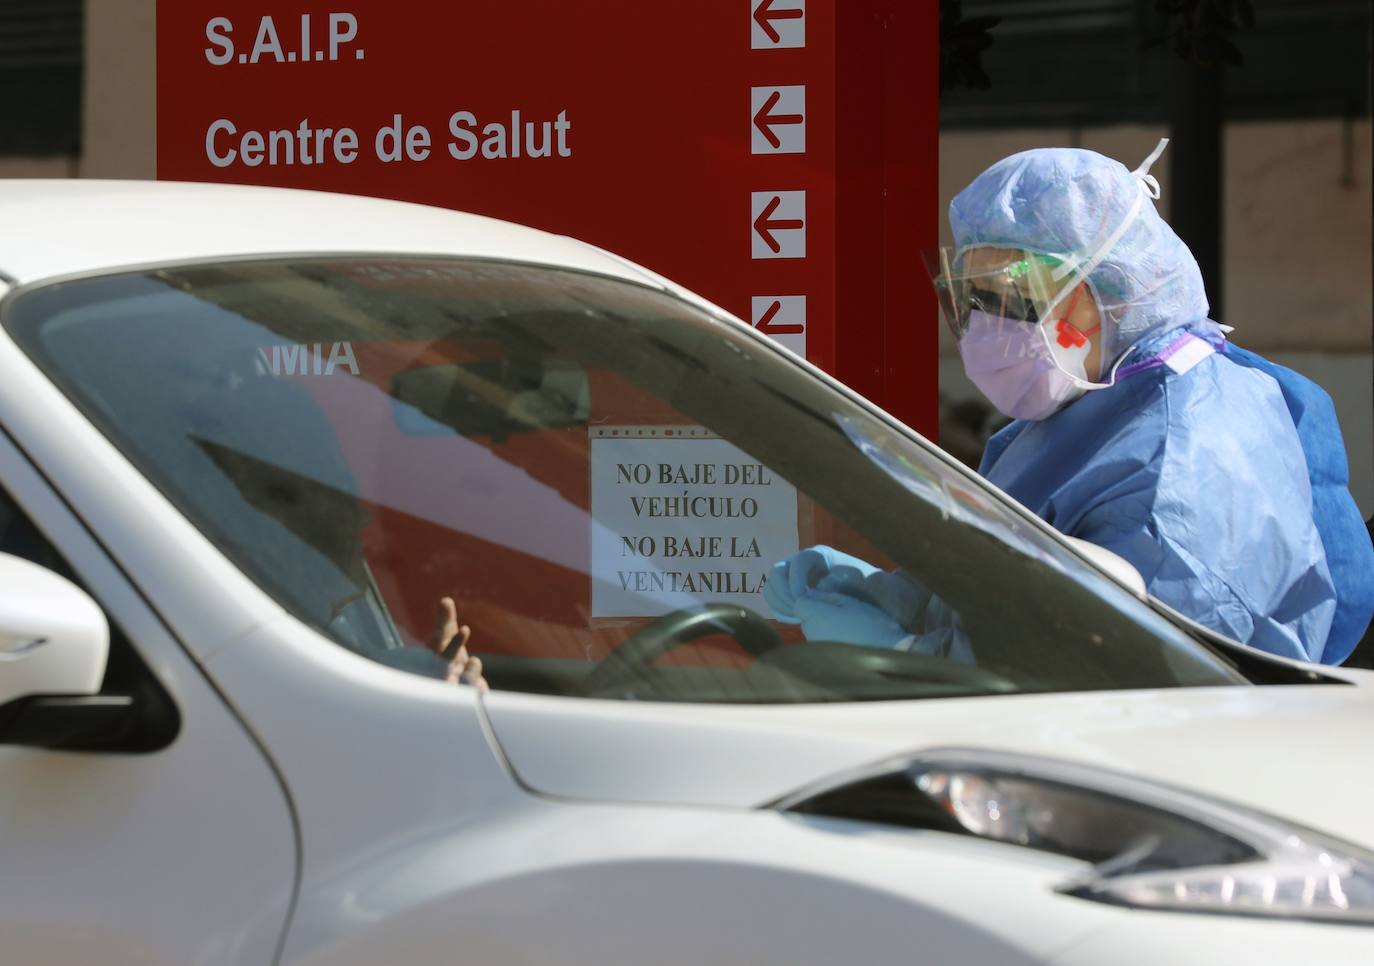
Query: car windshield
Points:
[602, 475]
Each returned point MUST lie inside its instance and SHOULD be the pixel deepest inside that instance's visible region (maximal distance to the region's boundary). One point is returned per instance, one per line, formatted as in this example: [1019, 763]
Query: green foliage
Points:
[1201, 30]
[962, 43]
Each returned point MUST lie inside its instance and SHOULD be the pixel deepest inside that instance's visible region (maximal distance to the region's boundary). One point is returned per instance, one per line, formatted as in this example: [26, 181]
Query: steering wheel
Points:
[634, 656]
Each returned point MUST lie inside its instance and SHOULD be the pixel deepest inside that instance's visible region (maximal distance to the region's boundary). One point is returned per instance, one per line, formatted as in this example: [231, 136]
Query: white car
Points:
[249, 438]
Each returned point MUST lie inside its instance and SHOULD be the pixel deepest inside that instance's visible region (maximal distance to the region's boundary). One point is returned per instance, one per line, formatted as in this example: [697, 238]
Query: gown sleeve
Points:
[1210, 500]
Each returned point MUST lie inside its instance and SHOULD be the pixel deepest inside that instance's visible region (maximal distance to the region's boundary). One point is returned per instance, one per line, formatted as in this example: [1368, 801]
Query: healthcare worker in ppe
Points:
[1137, 426]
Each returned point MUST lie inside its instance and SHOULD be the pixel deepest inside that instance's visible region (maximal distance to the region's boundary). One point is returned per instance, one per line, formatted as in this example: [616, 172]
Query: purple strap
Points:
[1163, 356]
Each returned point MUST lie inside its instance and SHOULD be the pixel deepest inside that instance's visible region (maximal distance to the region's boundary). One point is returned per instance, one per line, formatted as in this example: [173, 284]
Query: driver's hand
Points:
[450, 641]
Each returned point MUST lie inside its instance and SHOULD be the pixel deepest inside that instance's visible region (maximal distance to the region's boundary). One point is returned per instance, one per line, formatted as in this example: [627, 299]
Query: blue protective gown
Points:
[1224, 485]
[1200, 480]
[1349, 553]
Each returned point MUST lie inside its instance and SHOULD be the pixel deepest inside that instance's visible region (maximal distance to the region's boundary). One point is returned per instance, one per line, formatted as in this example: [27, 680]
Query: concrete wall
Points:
[119, 127]
[119, 109]
[1297, 237]
[62, 167]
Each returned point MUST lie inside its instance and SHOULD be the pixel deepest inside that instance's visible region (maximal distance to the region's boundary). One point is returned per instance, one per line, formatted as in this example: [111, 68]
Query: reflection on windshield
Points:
[620, 492]
[947, 489]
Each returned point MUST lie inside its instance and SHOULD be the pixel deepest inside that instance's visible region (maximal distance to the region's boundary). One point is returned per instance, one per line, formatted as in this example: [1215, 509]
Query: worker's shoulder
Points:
[1224, 386]
[1221, 403]
[1305, 398]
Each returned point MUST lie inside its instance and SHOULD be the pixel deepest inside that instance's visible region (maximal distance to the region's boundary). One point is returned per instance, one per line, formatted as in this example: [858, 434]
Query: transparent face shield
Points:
[1007, 284]
[1010, 311]
[1023, 296]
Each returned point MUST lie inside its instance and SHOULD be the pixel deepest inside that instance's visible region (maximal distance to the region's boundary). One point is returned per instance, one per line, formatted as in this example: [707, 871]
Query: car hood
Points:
[1295, 752]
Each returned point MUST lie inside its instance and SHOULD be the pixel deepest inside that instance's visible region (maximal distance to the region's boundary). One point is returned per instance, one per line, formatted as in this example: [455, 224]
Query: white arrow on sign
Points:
[779, 120]
[775, 24]
[783, 317]
[779, 224]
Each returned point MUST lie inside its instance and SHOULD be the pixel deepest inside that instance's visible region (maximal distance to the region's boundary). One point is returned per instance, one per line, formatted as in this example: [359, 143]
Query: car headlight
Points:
[1151, 846]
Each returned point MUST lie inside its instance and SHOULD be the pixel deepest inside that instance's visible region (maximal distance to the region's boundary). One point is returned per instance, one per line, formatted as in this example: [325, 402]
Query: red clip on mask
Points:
[1069, 337]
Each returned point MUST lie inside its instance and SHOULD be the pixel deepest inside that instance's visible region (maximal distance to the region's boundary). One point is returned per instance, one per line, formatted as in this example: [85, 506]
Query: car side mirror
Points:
[1119, 567]
[53, 637]
[54, 645]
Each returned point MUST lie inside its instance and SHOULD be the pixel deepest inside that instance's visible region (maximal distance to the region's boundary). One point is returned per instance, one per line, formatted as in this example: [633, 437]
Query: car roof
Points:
[55, 228]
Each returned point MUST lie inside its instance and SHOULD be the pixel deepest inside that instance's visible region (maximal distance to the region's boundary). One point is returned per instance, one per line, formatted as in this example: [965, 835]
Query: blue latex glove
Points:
[840, 617]
[797, 575]
[944, 635]
[895, 594]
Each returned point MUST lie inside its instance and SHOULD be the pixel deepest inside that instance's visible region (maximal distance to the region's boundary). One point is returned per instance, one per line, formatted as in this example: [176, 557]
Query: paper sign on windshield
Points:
[683, 518]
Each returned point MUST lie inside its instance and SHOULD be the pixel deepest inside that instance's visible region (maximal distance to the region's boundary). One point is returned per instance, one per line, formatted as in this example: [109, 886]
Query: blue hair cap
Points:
[1078, 204]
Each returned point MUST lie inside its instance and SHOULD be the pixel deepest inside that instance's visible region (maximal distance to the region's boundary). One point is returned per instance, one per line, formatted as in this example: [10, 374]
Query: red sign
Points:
[777, 154]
